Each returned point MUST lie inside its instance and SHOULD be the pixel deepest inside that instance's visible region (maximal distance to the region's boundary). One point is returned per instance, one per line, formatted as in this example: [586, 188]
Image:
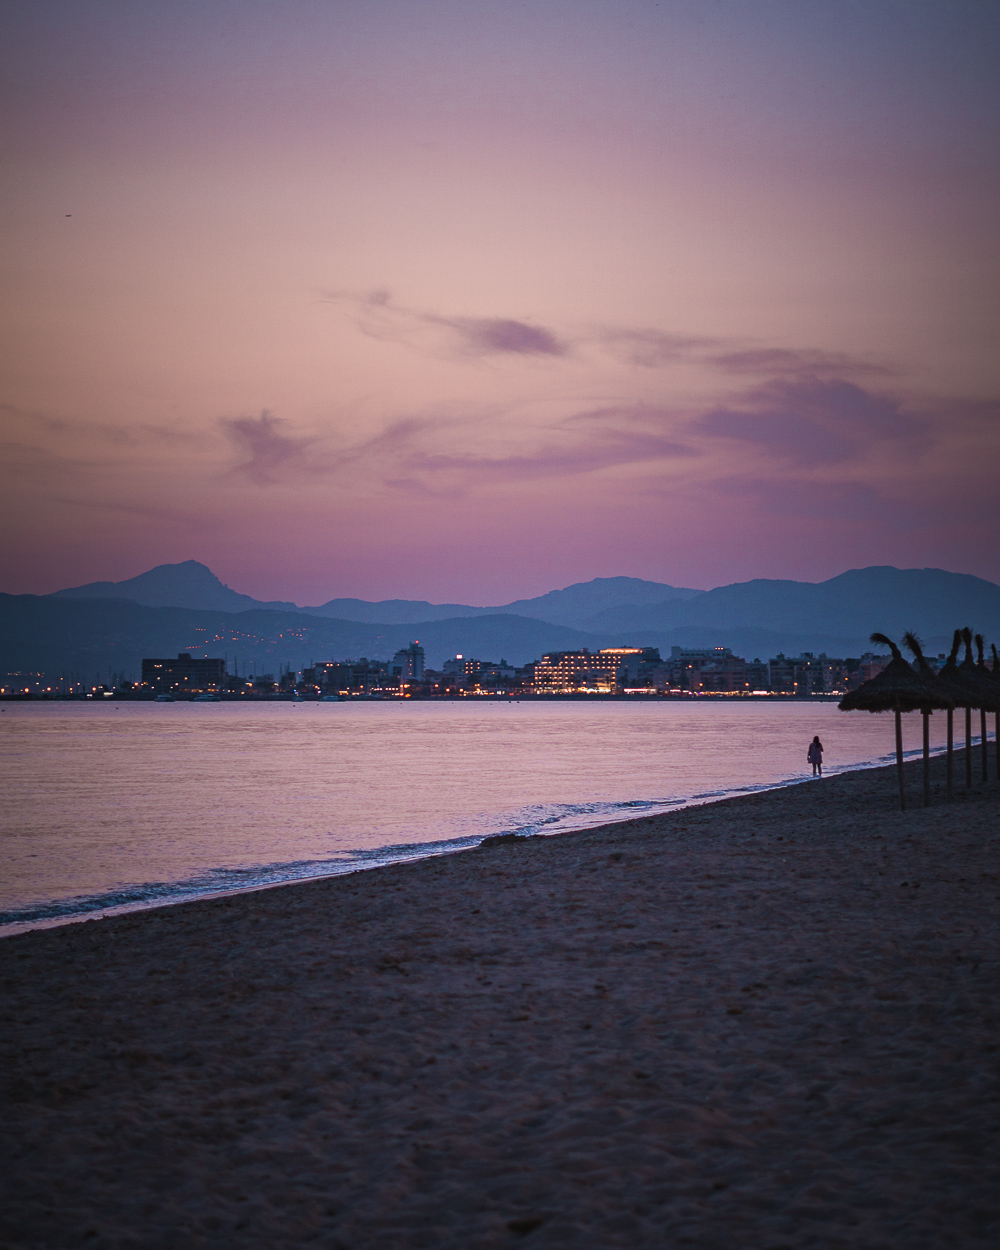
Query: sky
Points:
[469, 301]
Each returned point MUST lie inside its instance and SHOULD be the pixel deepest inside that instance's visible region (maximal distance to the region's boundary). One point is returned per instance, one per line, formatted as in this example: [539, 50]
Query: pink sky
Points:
[467, 301]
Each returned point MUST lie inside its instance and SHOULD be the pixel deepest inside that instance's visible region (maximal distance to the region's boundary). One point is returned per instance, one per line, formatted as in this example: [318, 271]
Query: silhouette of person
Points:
[815, 756]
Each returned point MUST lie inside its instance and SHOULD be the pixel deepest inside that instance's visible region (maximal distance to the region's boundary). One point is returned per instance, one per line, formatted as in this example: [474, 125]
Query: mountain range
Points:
[193, 585]
[110, 626]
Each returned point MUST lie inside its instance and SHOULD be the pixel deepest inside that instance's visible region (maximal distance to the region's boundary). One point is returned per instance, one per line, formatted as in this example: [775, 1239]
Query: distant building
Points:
[346, 676]
[637, 666]
[573, 672]
[408, 663]
[808, 674]
[185, 675]
[791, 674]
[708, 670]
[488, 675]
[758, 675]
[872, 665]
[830, 676]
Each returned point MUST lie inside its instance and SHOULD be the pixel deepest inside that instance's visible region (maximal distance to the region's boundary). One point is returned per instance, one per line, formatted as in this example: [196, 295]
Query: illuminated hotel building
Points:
[577, 672]
[185, 675]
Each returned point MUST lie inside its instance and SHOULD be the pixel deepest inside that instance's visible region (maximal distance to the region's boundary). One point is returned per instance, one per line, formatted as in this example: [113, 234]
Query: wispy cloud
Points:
[801, 426]
[796, 496]
[915, 503]
[782, 362]
[486, 336]
[648, 348]
[270, 452]
[450, 454]
[613, 449]
[652, 349]
[575, 444]
[379, 316]
[40, 428]
[810, 421]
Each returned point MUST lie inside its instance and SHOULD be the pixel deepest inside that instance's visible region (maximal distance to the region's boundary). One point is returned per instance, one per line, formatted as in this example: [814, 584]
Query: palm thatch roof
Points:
[913, 644]
[989, 682]
[956, 681]
[896, 689]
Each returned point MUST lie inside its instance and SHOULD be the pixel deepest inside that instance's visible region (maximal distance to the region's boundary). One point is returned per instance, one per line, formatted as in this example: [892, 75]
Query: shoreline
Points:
[92, 907]
[785, 696]
[769, 1020]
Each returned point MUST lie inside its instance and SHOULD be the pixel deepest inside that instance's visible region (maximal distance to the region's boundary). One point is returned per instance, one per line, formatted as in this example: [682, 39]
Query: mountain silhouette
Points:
[185, 585]
[568, 607]
[193, 585]
[105, 625]
[846, 606]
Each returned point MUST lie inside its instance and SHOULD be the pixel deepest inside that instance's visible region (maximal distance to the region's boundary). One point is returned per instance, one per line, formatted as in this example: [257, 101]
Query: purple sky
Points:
[467, 301]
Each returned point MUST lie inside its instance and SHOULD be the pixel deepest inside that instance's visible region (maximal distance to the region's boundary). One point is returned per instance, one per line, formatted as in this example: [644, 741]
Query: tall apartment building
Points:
[347, 676]
[185, 675]
[809, 674]
[708, 670]
[758, 675]
[791, 674]
[408, 663]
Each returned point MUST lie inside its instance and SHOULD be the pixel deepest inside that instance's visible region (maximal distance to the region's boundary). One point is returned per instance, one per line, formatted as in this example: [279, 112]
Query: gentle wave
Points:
[534, 821]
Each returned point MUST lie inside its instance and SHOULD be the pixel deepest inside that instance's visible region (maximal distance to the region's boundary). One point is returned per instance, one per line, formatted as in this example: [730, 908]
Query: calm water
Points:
[131, 803]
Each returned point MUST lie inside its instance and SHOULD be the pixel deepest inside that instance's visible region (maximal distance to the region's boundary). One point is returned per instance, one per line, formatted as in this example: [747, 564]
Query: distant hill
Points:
[194, 585]
[585, 601]
[931, 601]
[97, 636]
[185, 585]
[72, 631]
[395, 611]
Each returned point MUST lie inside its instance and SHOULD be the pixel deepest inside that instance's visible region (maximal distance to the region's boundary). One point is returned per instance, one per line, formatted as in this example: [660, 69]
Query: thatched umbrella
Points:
[990, 687]
[967, 670]
[996, 718]
[957, 685]
[913, 644]
[896, 689]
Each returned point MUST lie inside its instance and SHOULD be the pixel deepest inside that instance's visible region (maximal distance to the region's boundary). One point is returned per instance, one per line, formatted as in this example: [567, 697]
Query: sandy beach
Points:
[766, 1022]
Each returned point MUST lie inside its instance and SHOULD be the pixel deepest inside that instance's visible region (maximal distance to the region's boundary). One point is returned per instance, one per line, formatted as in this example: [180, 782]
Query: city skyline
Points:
[466, 302]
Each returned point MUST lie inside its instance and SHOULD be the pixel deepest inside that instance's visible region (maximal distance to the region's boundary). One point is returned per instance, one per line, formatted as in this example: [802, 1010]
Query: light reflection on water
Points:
[120, 804]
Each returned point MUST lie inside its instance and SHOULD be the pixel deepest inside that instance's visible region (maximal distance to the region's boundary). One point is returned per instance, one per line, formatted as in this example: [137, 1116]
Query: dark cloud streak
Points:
[379, 317]
[811, 422]
[782, 361]
[270, 451]
[611, 450]
[486, 336]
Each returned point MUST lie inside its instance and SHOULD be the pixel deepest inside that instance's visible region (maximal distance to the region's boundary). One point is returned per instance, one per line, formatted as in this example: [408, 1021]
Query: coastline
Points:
[228, 882]
[769, 1020]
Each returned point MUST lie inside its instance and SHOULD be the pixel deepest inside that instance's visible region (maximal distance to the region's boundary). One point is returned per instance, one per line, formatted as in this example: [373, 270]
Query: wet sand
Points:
[768, 1022]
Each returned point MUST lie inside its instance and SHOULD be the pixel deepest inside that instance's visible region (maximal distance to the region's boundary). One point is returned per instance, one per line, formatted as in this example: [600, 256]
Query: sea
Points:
[118, 806]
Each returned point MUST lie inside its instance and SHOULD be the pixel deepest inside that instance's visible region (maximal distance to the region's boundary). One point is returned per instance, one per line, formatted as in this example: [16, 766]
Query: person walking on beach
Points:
[815, 756]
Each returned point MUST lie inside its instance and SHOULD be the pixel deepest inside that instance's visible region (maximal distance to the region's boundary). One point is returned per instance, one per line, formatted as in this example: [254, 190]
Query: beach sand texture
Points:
[767, 1022]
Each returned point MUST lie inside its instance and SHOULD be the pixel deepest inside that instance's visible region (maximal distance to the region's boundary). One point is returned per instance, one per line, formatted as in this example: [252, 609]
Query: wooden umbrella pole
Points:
[951, 757]
[899, 760]
[983, 745]
[927, 757]
[968, 748]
